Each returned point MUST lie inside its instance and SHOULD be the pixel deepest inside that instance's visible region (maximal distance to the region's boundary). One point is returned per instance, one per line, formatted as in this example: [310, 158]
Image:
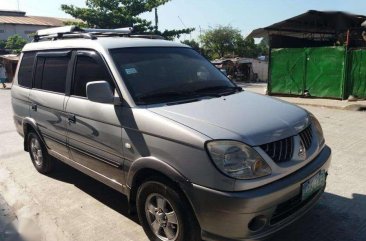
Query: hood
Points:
[245, 116]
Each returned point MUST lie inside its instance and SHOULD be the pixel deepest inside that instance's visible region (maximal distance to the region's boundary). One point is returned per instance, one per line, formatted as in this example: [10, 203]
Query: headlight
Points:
[318, 130]
[237, 160]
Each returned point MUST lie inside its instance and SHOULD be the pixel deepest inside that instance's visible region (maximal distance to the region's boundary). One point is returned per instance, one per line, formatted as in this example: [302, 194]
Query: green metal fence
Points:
[287, 71]
[357, 73]
[320, 71]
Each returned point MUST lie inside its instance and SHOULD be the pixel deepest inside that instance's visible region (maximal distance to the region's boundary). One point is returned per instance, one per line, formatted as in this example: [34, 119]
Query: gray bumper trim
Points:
[225, 215]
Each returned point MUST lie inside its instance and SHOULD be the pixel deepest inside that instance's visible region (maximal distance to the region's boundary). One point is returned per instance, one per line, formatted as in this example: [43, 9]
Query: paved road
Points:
[68, 205]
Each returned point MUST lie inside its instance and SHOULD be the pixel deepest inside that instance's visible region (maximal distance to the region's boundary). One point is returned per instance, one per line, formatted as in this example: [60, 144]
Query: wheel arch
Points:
[147, 169]
[30, 124]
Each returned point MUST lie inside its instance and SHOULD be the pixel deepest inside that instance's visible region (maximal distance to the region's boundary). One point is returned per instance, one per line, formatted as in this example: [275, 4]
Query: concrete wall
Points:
[2, 71]
[260, 68]
[7, 30]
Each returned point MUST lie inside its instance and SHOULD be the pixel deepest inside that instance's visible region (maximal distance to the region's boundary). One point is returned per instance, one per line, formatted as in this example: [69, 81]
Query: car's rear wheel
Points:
[38, 153]
[164, 214]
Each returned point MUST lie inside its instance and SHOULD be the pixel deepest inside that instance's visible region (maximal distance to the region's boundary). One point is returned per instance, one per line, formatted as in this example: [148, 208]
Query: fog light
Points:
[257, 223]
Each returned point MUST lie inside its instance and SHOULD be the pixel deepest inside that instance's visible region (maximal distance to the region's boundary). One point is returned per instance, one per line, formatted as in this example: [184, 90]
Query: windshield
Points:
[163, 74]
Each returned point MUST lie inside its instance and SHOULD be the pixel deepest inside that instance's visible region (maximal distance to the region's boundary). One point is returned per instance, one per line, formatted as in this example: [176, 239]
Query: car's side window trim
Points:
[32, 75]
[99, 60]
[54, 54]
[70, 73]
[49, 91]
[50, 54]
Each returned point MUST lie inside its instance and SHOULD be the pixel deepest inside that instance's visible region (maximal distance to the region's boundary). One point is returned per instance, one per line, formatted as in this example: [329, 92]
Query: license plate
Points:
[313, 184]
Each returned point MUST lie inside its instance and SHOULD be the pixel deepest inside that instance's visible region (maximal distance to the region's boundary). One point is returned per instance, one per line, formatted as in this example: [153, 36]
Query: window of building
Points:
[87, 70]
[26, 69]
[51, 73]
[2, 30]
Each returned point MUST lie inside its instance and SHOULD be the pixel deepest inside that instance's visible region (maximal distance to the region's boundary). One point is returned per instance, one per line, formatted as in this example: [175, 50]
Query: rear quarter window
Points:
[25, 74]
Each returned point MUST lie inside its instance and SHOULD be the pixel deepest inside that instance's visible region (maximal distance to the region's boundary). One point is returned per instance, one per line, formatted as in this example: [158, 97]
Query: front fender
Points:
[157, 165]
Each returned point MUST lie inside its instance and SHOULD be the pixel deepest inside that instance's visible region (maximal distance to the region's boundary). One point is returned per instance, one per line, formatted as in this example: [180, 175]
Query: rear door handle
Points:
[71, 118]
[34, 107]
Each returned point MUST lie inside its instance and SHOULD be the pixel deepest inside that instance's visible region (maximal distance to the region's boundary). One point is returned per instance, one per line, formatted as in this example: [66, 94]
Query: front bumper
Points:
[227, 215]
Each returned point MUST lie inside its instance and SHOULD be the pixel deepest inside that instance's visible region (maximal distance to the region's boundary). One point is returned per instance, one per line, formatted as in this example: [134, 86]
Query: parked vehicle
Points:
[196, 156]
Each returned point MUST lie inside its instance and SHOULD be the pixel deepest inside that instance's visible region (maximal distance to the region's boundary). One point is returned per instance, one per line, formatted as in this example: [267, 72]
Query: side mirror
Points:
[99, 91]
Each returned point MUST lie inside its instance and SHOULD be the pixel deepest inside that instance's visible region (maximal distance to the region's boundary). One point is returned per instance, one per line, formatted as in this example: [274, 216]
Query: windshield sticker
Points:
[131, 71]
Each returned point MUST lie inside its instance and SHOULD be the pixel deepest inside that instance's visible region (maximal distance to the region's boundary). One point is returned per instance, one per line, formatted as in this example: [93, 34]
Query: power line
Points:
[182, 22]
[190, 34]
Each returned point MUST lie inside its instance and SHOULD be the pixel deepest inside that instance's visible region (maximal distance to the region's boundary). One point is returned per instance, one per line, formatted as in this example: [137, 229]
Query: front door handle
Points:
[34, 107]
[71, 118]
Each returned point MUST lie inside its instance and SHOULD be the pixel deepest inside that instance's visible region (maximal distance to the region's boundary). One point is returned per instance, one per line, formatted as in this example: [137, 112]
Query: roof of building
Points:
[30, 20]
[6, 12]
[18, 17]
[312, 22]
[10, 57]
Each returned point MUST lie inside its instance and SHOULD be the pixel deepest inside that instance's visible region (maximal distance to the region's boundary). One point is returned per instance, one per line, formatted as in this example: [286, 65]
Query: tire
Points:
[172, 221]
[42, 161]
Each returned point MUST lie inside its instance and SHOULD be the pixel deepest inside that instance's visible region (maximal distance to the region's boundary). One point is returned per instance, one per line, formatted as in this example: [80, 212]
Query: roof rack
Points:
[87, 33]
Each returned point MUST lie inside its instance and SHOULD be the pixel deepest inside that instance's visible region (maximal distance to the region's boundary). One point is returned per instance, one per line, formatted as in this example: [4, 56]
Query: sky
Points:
[245, 15]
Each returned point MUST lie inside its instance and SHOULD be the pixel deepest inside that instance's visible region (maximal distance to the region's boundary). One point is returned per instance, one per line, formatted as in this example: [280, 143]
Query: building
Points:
[8, 65]
[17, 22]
[318, 54]
[244, 69]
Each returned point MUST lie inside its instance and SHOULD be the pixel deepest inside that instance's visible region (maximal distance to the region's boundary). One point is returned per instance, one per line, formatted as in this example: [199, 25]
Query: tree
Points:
[2, 44]
[15, 43]
[121, 13]
[79, 24]
[247, 48]
[193, 43]
[264, 47]
[220, 41]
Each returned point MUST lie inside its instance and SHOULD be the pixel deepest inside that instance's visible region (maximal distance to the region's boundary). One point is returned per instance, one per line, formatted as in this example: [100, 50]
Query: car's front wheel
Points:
[164, 214]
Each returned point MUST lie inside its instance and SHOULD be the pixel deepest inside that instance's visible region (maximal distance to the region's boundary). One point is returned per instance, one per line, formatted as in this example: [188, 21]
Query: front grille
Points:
[306, 137]
[289, 207]
[280, 151]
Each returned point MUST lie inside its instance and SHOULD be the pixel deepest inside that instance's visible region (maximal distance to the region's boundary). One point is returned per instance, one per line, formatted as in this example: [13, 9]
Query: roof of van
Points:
[100, 42]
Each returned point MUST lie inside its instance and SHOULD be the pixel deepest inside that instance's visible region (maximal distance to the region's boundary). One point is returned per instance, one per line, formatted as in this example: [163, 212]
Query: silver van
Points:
[196, 156]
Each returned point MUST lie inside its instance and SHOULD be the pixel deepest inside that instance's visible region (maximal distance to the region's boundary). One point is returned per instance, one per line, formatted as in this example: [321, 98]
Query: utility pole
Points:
[156, 20]
[18, 5]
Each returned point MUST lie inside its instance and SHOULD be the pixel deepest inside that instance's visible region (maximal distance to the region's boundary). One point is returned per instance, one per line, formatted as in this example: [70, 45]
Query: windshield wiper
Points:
[164, 95]
[171, 95]
[219, 90]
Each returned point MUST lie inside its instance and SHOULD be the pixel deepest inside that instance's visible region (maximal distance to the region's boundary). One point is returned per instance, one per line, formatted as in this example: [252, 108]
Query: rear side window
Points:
[87, 70]
[51, 73]
[26, 69]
